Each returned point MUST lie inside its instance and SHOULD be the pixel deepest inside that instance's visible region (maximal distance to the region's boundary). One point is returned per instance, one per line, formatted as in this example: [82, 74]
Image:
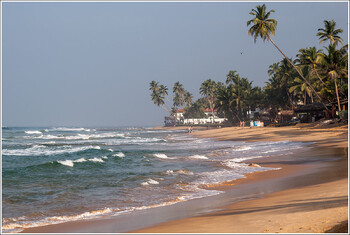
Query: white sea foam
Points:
[80, 160]
[67, 163]
[33, 132]
[160, 155]
[104, 157]
[20, 223]
[111, 150]
[95, 159]
[120, 154]
[244, 148]
[198, 157]
[149, 181]
[69, 129]
[39, 150]
[178, 172]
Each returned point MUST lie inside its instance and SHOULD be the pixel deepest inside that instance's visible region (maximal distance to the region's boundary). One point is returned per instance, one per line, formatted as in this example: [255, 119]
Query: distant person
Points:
[191, 129]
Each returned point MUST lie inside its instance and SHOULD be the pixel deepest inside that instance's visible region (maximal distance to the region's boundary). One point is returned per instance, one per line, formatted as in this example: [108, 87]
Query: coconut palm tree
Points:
[154, 86]
[158, 93]
[273, 69]
[310, 57]
[179, 92]
[263, 26]
[330, 33]
[300, 87]
[334, 66]
[158, 100]
[208, 89]
[188, 98]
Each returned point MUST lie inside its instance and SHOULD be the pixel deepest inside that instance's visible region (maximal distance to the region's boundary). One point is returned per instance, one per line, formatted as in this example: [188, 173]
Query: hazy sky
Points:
[90, 64]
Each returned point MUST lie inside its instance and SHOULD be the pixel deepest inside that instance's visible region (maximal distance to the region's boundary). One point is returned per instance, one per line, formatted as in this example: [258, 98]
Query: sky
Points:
[90, 63]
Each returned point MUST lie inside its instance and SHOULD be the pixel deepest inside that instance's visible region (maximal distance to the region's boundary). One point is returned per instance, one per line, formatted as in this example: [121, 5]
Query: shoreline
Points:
[289, 170]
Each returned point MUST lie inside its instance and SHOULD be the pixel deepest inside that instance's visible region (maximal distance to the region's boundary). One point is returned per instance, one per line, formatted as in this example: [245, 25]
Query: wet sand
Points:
[308, 194]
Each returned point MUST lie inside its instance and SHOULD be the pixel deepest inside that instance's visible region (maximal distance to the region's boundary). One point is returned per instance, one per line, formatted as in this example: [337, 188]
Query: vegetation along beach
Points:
[232, 158]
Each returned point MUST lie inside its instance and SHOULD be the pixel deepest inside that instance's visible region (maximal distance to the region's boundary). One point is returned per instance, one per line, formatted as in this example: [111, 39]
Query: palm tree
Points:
[178, 91]
[154, 86]
[273, 69]
[334, 65]
[208, 89]
[310, 57]
[263, 26]
[330, 33]
[163, 90]
[158, 93]
[188, 98]
[158, 100]
[300, 86]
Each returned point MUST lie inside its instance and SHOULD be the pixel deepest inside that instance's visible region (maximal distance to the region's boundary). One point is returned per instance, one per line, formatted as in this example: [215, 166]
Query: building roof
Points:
[204, 110]
[316, 106]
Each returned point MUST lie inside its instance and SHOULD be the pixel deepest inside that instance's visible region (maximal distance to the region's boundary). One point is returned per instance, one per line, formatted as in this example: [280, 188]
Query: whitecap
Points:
[80, 160]
[95, 159]
[67, 163]
[120, 154]
[33, 132]
[38, 150]
[198, 157]
[149, 181]
[160, 155]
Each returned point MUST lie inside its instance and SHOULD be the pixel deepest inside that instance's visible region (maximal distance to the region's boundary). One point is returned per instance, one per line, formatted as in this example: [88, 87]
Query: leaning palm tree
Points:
[154, 86]
[208, 89]
[263, 26]
[299, 86]
[158, 100]
[163, 90]
[330, 33]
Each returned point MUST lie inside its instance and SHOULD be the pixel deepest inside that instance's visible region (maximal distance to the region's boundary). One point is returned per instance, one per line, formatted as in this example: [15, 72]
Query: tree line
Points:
[315, 75]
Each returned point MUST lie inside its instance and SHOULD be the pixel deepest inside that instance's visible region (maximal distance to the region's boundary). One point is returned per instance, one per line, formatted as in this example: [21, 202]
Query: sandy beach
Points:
[308, 194]
[317, 208]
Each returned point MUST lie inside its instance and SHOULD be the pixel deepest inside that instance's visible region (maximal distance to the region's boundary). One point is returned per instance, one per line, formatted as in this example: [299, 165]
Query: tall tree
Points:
[158, 93]
[330, 33]
[179, 92]
[188, 98]
[310, 57]
[299, 86]
[208, 89]
[334, 66]
[263, 26]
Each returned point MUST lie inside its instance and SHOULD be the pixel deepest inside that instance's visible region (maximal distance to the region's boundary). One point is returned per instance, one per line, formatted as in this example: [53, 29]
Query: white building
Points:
[180, 119]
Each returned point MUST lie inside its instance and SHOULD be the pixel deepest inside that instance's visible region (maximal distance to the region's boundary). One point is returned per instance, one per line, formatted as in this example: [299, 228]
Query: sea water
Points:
[55, 174]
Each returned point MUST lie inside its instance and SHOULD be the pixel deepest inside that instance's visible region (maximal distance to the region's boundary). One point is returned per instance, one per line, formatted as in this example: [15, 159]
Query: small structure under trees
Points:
[310, 112]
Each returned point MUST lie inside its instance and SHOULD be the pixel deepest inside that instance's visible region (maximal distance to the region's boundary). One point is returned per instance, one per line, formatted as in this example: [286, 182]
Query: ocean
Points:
[52, 175]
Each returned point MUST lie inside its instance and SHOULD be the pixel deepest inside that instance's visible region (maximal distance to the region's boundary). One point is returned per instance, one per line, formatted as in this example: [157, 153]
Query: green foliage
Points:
[195, 111]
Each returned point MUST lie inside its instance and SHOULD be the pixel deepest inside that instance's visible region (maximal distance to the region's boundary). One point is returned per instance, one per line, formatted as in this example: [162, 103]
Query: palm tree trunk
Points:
[336, 91]
[212, 109]
[297, 71]
[319, 77]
